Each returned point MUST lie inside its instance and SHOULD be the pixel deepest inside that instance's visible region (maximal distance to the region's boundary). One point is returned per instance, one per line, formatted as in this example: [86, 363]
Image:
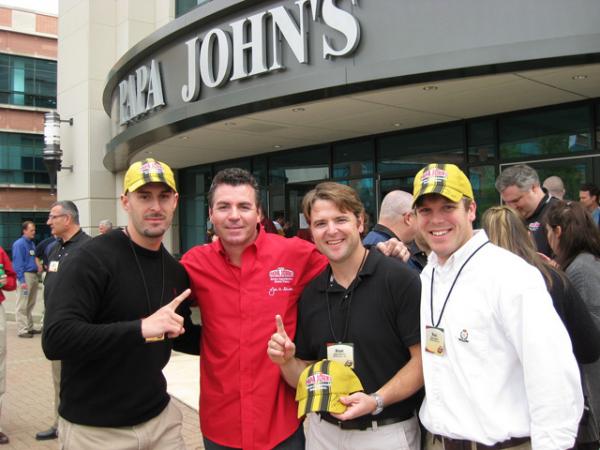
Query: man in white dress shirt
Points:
[498, 365]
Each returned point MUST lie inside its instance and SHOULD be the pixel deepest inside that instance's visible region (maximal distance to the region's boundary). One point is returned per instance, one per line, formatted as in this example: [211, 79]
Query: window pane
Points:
[482, 180]
[21, 160]
[27, 81]
[408, 152]
[552, 132]
[299, 166]
[353, 159]
[482, 144]
[366, 192]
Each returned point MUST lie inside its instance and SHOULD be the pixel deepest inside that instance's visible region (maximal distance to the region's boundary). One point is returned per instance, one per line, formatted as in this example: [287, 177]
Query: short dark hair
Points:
[68, 208]
[25, 224]
[233, 177]
[592, 189]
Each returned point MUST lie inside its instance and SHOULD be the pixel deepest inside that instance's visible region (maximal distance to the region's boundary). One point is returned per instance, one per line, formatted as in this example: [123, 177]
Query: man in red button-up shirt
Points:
[241, 282]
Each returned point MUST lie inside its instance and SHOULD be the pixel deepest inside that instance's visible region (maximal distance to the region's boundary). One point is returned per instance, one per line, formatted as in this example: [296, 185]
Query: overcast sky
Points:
[45, 6]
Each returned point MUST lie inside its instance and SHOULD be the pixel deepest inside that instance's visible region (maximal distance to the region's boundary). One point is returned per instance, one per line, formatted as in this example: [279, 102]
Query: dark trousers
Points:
[295, 442]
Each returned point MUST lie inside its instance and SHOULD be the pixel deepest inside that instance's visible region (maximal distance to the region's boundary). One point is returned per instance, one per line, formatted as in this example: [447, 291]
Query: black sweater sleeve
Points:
[71, 326]
[585, 336]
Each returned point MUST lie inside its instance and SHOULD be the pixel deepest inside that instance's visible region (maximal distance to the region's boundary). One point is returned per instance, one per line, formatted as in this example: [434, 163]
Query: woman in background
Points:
[506, 229]
[575, 240]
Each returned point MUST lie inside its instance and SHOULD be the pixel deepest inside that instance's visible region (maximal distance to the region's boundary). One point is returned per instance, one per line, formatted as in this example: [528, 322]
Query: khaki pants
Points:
[56, 366]
[323, 435]
[438, 445]
[162, 432]
[25, 304]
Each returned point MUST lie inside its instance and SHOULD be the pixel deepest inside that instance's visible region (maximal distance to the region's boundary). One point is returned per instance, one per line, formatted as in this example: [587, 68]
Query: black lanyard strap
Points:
[347, 294]
[451, 287]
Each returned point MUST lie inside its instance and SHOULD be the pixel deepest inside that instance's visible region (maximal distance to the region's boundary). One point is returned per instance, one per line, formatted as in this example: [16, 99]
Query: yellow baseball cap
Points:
[322, 384]
[147, 171]
[444, 179]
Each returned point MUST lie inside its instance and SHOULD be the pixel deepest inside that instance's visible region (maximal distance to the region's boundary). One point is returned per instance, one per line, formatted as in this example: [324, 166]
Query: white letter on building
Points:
[296, 38]
[207, 69]
[155, 93]
[191, 90]
[256, 46]
[341, 21]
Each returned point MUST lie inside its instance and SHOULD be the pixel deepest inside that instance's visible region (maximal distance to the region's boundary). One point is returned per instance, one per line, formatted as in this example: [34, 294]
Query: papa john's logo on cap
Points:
[434, 176]
[281, 275]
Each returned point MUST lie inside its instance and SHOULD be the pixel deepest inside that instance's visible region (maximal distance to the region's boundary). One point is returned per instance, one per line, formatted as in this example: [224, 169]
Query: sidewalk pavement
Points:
[28, 403]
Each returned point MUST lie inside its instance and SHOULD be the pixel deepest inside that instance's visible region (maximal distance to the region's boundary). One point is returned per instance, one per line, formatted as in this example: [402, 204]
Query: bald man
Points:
[555, 187]
[397, 220]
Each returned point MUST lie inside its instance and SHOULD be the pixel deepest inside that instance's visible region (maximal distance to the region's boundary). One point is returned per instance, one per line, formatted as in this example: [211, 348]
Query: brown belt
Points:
[460, 444]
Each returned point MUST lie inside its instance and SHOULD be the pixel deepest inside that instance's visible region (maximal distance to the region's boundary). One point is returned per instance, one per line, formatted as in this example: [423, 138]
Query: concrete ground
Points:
[27, 406]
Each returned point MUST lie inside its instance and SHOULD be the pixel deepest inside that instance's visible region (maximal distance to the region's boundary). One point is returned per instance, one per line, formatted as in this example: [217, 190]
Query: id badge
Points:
[342, 352]
[31, 252]
[53, 267]
[435, 340]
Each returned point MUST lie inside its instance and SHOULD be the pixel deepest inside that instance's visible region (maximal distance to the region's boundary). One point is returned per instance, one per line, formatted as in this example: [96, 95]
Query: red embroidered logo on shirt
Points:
[281, 275]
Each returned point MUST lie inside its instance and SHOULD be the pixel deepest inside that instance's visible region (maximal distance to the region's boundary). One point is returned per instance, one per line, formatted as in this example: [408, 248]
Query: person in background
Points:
[27, 268]
[105, 226]
[506, 229]
[589, 195]
[555, 187]
[575, 239]
[8, 282]
[497, 361]
[520, 189]
[63, 221]
[397, 219]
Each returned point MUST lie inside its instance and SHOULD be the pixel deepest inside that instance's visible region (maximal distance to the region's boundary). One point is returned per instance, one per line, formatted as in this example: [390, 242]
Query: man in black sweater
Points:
[113, 311]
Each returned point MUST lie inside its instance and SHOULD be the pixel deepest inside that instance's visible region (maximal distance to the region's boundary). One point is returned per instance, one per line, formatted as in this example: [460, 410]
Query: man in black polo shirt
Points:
[520, 189]
[362, 310]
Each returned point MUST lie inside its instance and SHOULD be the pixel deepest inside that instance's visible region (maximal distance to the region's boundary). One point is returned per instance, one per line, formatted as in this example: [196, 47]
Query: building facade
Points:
[28, 54]
[360, 92]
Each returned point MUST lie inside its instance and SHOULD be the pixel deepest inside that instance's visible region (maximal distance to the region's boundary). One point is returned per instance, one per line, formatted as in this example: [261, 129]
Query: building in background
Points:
[28, 54]
[300, 91]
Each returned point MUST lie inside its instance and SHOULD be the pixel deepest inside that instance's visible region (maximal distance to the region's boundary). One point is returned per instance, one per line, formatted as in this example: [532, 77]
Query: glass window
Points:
[27, 81]
[597, 126]
[10, 227]
[366, 192]
[483, 180]
[299, 166]
[549, 132]
[21, 160]
[237, 163]
[184, 6]
[353, 159]
[408, 152]
[194, 183]
[482, 142]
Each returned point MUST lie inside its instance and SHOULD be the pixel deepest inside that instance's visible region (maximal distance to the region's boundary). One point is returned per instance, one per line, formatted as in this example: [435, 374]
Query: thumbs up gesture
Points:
[165, 321]
[280, 348]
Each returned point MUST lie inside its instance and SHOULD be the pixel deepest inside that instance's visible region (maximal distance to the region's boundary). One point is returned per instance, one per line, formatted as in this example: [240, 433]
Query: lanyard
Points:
[348, 294]
[451, 287]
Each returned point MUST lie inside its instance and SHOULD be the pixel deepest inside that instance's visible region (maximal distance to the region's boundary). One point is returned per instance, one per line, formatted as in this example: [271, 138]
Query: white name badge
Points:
[31, 252]
[342, 352]
[435, 342]
[53, 267]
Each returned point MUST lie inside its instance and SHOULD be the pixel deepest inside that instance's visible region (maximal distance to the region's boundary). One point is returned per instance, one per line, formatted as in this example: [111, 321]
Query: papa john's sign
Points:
[241, 49]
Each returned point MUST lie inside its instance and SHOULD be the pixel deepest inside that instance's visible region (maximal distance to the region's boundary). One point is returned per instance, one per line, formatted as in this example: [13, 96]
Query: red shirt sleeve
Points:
[11, 275]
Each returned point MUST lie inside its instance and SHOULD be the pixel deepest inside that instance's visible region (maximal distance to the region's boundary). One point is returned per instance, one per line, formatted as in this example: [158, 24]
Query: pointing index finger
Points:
[180, 298]
[280, 327]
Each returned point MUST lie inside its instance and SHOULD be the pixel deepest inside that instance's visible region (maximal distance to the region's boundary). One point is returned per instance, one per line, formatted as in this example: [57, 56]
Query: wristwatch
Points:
[379, 402]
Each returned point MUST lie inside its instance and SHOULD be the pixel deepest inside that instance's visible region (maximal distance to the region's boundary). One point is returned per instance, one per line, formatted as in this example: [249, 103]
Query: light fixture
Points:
[397, 124]
[579, 77]
[277, 146]
[184, 138]
[430, 88]
[52, 153]
[299, 109]
[230, 124]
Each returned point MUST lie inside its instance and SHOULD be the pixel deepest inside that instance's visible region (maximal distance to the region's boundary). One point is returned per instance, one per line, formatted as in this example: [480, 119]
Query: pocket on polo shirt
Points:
[471, 344]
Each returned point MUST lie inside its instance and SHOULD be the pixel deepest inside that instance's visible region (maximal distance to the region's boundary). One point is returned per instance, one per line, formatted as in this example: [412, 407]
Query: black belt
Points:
[461, 444]
[362, 423]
